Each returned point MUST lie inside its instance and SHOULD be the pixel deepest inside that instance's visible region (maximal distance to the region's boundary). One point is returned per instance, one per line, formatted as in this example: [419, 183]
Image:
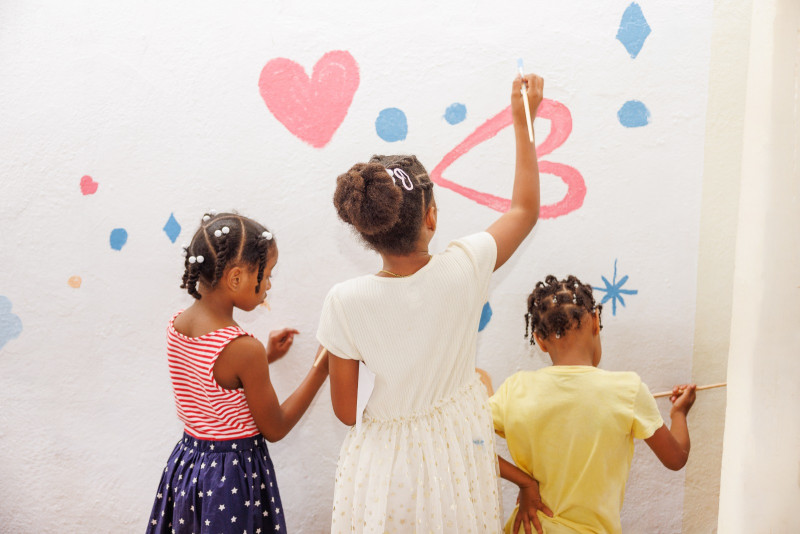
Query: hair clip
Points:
[266, 234]
[405, 179]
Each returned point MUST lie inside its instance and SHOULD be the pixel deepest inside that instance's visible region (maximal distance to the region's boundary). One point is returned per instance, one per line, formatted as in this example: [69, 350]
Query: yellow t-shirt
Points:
[572, 428]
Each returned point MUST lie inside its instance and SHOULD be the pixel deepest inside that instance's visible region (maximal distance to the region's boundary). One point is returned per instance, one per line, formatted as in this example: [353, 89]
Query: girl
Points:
[219, 477]
[571, 426]
[424, 458]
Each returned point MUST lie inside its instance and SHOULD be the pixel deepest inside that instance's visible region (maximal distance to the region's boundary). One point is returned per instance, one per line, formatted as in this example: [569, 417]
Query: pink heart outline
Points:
[312, 109]
[561, 126]
[88, 186]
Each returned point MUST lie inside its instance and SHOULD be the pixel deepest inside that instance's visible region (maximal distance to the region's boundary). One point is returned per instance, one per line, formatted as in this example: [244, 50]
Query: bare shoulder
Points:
[245, 347]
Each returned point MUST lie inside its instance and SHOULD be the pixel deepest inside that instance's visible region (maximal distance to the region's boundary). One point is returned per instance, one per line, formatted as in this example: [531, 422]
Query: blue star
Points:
[614, 290]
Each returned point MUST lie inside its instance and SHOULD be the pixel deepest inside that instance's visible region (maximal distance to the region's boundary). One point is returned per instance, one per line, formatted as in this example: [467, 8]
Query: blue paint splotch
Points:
[633, 29]
[613, 290]
[172, 228]
[391, 125]
[10, 324]
[118, 238]
[633, 114]
[455, 113]
[486, 316]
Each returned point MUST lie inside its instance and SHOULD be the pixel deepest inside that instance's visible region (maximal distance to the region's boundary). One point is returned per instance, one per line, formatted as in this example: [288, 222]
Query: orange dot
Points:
[74, 281]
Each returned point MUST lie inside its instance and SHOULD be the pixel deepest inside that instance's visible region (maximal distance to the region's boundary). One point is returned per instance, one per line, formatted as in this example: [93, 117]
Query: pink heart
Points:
[88, 186]
[560, 128]
[311, 109]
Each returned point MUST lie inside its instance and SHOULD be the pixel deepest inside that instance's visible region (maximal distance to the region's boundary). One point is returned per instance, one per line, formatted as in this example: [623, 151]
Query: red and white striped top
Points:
[207, 410]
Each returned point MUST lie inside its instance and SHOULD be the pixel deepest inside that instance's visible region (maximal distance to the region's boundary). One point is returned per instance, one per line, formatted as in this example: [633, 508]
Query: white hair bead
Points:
[200, 259]
[226, 230]
[266, 235]
[217, 233]
[206, 218]
[213, 213]
[192, 259]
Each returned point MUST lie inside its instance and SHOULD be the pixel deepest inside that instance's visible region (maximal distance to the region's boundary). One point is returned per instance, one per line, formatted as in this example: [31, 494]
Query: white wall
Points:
[159, 104]
[760, 463]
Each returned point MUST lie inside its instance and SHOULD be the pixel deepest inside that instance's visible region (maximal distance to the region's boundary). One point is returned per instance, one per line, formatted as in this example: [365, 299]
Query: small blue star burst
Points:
[614, 290]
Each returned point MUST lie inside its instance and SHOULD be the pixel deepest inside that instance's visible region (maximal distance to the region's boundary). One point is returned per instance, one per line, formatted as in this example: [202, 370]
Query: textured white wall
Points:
[160, 105]
[760, 464]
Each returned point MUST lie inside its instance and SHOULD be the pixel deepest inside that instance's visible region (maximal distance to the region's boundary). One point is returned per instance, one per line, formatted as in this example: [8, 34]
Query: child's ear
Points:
[596, 322]
[542, 343]
[233, 278]
[431, 218]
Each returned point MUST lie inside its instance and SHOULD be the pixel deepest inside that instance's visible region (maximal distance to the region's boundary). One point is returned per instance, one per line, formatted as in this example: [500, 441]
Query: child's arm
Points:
[244, 363]
[671, 445]
[344, 388]
[514, 226]
[529, 499]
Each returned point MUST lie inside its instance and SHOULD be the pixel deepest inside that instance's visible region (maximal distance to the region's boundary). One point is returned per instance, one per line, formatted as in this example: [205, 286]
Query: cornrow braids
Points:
[224, 240]
[557, 306]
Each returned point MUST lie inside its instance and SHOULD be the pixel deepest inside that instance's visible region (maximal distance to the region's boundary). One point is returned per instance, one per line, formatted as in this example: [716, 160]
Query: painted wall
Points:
[123, 123]
[760, 463]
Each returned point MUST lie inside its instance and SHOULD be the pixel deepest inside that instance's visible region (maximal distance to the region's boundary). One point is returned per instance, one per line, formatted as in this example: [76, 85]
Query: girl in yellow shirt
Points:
[571, 426]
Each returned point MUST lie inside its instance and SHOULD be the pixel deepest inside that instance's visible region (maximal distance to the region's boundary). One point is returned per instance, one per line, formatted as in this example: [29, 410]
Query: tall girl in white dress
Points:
[423, 459]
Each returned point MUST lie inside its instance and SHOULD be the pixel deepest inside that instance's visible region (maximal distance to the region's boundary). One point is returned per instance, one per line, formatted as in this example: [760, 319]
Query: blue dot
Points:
[486, 316]
[633, 114]
[391, 125]
[455, 113]
[119, 236]
[10, 324]
[172, 228]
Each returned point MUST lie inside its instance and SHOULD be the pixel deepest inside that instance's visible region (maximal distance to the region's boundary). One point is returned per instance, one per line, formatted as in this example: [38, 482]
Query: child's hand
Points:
[280, 341]
[530, 502]
[535, 91]
[682, 398]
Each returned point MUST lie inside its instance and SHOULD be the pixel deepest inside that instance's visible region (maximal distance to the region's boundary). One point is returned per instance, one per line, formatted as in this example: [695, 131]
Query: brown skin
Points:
[244, 362]
[509, 231]
[581, 346]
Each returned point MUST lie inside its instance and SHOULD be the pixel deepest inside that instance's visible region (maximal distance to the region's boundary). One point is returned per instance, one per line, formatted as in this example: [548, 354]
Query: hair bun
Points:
[367, 198]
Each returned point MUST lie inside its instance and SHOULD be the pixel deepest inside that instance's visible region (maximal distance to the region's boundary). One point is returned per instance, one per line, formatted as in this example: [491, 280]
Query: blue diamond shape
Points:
[172, 228]
[633, 29]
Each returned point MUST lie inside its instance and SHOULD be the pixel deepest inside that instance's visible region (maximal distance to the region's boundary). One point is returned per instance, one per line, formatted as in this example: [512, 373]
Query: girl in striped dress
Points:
[219, 477]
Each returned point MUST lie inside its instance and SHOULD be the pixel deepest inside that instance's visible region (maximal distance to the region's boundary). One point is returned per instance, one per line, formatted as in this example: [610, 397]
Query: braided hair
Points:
[386, 209]
[224, 240]
[556, 306]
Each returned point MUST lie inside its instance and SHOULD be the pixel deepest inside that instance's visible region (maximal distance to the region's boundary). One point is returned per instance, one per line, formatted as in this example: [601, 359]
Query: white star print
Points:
[277, 527]
[233, 446]
[214, 463]
[255, 475]
[203, 465]
[258, 531]
[183, 493]
[180, 521]
[159, 495]
[277, 510]
[236, 462]
[273, 499]
[191, 465]
[263, 486]
[191, 508]
[221, 507]
[208, 523]
[212, 447]
[183, 463]
[200, 494]
[153, 522]
[233, 519]
[257, 503]
[222, 479]
[265, 514]
[247, 503]
[209, 493]
[234, 490]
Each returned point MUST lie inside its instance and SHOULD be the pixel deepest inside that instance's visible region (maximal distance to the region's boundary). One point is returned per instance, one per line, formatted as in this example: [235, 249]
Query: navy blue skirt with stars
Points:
[210, 487]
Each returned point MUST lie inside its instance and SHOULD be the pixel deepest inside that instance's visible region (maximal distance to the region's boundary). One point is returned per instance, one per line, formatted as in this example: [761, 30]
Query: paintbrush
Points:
[320, 356]
[525, 100]
[709, 386]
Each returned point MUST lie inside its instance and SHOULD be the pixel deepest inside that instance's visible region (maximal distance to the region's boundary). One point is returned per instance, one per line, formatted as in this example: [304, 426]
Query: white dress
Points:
[424, 458]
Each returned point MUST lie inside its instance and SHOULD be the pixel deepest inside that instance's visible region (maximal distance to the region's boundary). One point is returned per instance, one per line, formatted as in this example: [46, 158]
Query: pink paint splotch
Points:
[561, 127]
[312, 108]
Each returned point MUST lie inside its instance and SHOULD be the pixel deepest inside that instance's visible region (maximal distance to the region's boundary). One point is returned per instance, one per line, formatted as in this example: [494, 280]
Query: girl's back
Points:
[421, 347]
[573, 427]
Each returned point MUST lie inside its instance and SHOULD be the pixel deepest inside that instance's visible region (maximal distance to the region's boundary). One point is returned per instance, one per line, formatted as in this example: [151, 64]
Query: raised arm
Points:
[671, 445]
[244, 363]
[514, 226]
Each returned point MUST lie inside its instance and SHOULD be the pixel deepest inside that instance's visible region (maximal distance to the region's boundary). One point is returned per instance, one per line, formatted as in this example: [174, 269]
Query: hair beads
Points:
[556, 306]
